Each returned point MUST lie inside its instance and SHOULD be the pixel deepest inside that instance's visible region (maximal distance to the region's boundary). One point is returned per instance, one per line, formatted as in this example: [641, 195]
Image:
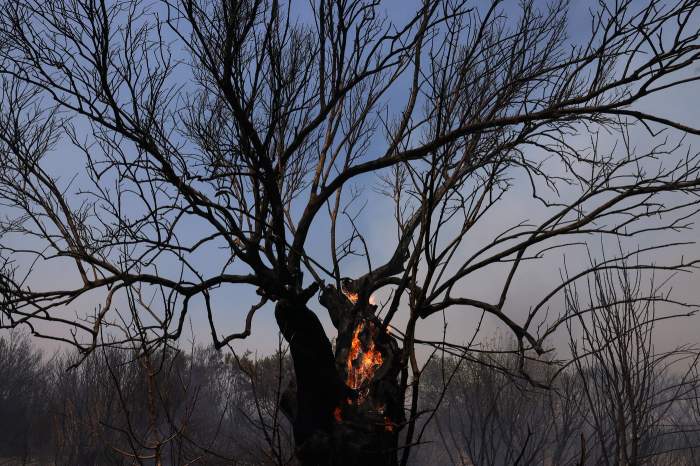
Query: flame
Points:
[362, 363]
[337, 414]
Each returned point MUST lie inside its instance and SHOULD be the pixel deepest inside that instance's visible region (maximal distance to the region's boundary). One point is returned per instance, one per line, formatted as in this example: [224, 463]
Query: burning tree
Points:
[228, 132]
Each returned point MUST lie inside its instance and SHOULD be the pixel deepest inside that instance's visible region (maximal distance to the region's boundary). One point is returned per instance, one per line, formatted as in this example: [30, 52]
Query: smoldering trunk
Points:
[346, 406]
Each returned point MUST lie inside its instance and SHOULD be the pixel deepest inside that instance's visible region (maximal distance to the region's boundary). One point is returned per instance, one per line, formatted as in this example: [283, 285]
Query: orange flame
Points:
[362, 363]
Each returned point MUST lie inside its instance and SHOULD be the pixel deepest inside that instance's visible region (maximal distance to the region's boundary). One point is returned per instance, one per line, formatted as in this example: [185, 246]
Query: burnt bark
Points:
[345, 406]
[318, 385]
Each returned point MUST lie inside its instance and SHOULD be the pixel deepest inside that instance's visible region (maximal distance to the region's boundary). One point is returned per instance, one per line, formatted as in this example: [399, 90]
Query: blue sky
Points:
[231, 303]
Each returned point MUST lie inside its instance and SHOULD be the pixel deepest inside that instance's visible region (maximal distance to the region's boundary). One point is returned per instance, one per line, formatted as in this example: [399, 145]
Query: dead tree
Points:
[218, 136]
[630, 388]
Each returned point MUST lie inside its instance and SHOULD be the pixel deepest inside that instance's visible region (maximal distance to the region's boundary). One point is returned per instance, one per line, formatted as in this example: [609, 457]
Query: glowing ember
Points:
[388, 425]
[337, 414]
[353, 297]
[362, 362]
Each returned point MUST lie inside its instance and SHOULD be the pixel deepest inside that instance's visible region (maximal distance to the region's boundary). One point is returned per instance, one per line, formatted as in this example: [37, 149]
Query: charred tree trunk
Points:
[310, 402]
[346, 407]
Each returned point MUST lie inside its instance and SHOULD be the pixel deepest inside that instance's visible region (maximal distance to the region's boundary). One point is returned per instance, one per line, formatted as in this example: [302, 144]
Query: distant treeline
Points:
[201, 406]
[115, 407]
